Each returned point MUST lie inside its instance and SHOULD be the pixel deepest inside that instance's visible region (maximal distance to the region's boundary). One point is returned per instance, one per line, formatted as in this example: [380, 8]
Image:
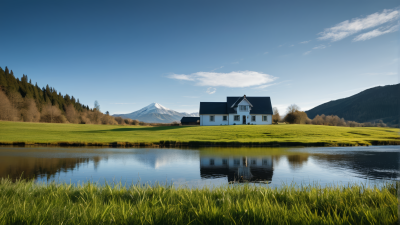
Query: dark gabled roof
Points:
[213, 108]
[261, 105]
[239, 101]
[190, 119]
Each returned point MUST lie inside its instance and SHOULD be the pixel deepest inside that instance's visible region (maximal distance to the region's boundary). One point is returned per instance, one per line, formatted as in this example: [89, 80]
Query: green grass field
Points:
[308, 135]
[29, 203]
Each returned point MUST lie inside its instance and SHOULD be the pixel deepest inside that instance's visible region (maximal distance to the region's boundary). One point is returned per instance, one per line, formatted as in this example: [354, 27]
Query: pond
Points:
[203, 166]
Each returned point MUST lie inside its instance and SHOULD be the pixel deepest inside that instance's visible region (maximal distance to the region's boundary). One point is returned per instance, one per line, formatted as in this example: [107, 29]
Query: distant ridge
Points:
[377, 103]
[156, 113]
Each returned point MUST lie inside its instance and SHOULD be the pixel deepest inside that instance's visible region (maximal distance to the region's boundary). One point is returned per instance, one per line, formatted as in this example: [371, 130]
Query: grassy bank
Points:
[29, 203]
[283, 135]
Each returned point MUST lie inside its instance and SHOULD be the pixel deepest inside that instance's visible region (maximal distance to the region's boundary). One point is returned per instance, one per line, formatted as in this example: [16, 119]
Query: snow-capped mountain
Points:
[156, 113]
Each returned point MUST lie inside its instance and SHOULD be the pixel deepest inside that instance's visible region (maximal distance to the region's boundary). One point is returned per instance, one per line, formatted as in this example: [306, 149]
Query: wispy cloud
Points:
[265, 53]
[235, 62]
[265, 85]
[211, 90]
[381, 74]
[347, 28]
[305, 42]
[320, 47]
[377, 32]
[269, 85]
[122, 103]
[307, 53]
[218, 68]
[233, 79]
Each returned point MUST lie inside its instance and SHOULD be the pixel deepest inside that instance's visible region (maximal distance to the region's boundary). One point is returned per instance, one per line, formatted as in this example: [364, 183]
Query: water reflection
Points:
[237, 168]
[199, 167]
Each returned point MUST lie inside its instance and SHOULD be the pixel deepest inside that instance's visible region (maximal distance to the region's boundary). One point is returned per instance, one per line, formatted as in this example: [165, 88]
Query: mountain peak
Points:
[156, 113]
[156, 105]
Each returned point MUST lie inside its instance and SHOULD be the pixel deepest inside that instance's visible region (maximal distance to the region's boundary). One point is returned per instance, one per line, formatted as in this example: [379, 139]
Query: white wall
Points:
[259, 119]
[205, 120]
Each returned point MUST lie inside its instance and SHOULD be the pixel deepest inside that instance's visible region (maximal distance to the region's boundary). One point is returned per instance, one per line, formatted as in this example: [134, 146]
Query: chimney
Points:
[244, 96]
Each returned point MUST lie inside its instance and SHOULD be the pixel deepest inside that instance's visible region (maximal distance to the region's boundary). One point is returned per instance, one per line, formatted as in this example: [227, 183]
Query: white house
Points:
[236, 110]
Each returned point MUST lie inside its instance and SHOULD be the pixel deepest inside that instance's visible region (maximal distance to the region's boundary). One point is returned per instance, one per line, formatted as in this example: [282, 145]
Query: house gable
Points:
[260, 105]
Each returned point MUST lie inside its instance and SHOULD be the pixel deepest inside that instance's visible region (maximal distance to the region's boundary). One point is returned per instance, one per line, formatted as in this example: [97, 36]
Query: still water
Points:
[203, 166]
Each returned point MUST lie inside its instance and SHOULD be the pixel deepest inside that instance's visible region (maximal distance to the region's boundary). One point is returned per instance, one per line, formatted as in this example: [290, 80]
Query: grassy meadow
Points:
[86, 134]
[25, 202]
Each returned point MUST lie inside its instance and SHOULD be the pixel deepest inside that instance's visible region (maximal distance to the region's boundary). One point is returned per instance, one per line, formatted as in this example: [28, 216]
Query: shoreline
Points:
[203, 144]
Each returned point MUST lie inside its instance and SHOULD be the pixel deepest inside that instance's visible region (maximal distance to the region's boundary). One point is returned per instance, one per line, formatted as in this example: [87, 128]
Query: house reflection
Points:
[237, 168]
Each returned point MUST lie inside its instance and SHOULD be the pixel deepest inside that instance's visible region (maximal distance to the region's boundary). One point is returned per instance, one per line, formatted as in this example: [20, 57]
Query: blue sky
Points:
[128, 54]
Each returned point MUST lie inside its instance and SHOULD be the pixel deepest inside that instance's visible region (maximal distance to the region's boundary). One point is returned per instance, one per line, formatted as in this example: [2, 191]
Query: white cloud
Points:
[232, 79]
[377, 32]
[347, 28]
[211, 90]
[304, 42]
[307, 53]
[180, 77]
[319, 47]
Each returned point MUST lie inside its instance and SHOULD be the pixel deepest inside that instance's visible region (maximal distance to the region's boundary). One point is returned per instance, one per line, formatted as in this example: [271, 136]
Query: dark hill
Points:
[377, 103]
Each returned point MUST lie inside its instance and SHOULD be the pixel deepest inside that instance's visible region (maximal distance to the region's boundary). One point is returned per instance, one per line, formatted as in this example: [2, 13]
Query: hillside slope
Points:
[377, 103]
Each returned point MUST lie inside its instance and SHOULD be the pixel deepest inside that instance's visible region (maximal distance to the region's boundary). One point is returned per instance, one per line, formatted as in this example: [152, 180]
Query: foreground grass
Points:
[29, 203]
[47, 133]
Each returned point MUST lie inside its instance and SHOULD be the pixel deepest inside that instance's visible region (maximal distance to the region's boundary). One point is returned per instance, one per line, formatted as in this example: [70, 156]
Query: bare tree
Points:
[7, 111]
[52, 114]
[292, 108]
[16, 99]
[29, 112]
[71, 114]
[97, 105]
[276, 117]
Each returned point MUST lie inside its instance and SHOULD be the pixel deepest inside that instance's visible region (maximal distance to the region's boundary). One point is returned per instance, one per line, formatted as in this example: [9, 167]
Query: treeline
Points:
[295, 116]
[20, 100]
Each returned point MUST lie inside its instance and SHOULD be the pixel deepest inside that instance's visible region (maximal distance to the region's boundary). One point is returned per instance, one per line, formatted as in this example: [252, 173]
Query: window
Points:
[253, 162]
[265, 118]
[211, 162]
[236, 118]
[224, 118]
[265, 162]
[253, 118]
[224, 162]
[212, 118]
[243, 107]
[236, 162]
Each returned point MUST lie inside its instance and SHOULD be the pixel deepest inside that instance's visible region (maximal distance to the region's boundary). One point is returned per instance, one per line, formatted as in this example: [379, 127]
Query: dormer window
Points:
[243, 107]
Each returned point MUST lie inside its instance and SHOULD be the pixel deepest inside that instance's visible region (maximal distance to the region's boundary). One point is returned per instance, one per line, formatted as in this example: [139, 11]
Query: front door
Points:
[244, 119]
